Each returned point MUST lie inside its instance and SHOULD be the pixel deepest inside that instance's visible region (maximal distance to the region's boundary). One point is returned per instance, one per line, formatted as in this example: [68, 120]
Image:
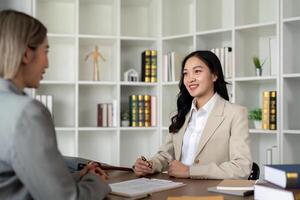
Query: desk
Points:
[193, 187]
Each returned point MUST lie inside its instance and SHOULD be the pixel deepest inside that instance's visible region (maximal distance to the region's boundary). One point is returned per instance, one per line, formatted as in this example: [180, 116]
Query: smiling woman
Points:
[208, 137]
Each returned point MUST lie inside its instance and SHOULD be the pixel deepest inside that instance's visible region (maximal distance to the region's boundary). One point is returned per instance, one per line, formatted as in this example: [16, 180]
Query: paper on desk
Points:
[197, 198]
[142, 186]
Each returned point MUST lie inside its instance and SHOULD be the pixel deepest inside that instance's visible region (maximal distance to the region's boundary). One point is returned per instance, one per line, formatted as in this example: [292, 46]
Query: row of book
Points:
[283, 183]
[47, 100]
[142, 110]
[149, 66]
[272, 156]
[225, 56]
[107, 114]
[269, 110]
[172, 66]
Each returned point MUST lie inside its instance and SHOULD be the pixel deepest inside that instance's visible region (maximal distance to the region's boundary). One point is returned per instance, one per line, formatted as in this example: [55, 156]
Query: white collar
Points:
[207, 107]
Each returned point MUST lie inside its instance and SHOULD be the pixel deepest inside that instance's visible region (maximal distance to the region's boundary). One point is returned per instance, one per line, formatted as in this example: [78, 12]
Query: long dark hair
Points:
[184, 99]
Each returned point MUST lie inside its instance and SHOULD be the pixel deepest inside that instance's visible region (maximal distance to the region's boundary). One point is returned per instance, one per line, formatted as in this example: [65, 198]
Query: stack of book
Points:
[283, 183]
[149, 66]
[225, 56]
[47, 100]
[107, 114]
[142, 110]
[172, 66]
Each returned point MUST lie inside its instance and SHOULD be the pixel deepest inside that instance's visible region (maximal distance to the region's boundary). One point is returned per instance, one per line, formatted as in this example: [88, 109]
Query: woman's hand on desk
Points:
[94, 168]
[142, 167]
[178, 170]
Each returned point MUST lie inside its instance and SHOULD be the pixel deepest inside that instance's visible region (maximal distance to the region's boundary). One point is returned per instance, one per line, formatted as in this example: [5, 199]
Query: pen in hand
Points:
[149, 164]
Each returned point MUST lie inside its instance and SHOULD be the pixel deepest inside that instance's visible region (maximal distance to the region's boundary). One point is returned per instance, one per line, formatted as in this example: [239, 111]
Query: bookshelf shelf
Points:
[91, 129]
[61, 129]
[138, 128]
[292, 132]
[123, 29]
[104, 83]
[123, 83]
[255, 78]
[260, 131]
[287, 76]
[251, 26]
[291, 19]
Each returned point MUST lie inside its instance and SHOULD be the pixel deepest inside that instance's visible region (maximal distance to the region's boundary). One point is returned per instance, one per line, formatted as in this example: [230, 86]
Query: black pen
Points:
[144, 159]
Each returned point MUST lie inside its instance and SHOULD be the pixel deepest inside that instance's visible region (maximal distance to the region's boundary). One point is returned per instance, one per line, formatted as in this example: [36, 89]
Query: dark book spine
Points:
[153, 66]
[141, 108]
[146, 66]
[99, 115]
[133, 110]
[147, 99]
[273, 111]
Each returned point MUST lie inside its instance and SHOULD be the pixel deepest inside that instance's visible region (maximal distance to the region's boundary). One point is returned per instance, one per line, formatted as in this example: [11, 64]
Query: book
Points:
[273, 56]
[153, 111]
[147, 105]
[268, 191]
[141, 111]
[230, 184]
[176, 60]
[153, 73]
[231, 192]
[218, 197]
[266, 110]
[133, 110]
[272, 111]
[146, 66]
[142, 187]
[234, 187]
[286, 176]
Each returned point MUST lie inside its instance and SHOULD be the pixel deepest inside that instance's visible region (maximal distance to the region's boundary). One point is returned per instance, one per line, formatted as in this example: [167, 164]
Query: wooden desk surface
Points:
[193, 187]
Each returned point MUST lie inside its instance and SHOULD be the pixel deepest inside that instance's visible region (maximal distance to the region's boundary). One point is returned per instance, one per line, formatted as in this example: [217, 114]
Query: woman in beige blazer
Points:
[208, 136]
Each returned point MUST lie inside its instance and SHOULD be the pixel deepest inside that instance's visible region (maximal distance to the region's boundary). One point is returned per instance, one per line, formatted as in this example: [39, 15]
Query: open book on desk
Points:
[142, 187]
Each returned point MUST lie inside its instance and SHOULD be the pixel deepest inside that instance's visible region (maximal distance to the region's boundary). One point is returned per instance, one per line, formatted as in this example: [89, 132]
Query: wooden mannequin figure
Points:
[96, 55]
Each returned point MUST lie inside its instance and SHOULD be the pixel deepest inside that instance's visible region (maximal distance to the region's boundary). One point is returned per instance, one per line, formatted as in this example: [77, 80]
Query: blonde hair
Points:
[18, 31]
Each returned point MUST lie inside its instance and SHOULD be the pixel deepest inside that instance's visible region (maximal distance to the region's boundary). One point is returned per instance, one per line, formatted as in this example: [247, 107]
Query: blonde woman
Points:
[31, 166]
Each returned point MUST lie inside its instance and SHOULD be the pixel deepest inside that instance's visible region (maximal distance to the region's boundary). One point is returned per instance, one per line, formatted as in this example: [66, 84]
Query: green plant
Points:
[257, 62]
[125, 116]
[255, 114]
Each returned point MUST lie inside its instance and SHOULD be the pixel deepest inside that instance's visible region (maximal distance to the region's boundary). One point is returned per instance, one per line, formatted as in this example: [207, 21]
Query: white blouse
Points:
[194, 130]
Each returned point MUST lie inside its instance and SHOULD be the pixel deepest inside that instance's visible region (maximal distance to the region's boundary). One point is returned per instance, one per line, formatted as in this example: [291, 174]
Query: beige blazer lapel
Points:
[178, 137]
[213, 122]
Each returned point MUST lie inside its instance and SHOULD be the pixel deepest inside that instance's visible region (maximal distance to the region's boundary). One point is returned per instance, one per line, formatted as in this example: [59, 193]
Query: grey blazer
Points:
[31, 167]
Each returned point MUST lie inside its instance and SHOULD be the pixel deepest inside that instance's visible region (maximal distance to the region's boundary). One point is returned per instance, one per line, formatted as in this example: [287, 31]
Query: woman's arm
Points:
[165, 155]
[40, 166]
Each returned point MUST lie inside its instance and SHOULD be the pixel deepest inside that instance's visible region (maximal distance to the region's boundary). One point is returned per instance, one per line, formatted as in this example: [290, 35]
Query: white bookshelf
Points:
[124, 28]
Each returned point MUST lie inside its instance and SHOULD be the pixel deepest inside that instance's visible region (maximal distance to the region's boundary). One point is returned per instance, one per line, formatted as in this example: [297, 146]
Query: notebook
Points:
[142, 187]
[234, 187]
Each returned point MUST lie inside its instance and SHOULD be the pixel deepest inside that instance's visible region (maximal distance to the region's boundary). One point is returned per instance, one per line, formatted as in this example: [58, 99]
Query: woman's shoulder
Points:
[234, 107]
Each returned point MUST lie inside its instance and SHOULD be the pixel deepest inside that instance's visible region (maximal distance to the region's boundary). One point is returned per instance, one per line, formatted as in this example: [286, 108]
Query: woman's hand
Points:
[94, 168]
[178, 170]
[142, 167]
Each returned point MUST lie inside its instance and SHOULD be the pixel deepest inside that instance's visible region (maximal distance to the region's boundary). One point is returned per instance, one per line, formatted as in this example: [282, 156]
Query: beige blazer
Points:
[224, 147]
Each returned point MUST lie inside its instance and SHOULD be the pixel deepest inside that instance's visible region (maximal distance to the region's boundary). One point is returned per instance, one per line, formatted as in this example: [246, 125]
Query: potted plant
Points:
[258, 65]
[125, 119]
[256, 116]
